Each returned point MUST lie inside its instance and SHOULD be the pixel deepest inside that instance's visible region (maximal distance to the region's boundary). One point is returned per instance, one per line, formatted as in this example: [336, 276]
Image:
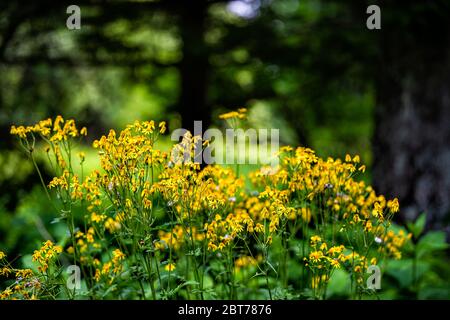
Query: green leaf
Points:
[418, 226]
[431, 242]
[339, 284]
[109, 290]
[402, 271]
[271, 266]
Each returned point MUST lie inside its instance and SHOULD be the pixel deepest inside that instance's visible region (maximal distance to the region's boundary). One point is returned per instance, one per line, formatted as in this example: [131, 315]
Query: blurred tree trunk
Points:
[412, 135]
[192, 104]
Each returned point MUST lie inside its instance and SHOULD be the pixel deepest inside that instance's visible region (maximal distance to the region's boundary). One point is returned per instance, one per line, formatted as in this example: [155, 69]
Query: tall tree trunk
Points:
[192, 104]
[412, 135]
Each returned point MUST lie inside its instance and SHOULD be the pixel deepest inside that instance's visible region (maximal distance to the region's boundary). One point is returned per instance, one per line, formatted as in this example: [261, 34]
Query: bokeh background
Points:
[310, 68]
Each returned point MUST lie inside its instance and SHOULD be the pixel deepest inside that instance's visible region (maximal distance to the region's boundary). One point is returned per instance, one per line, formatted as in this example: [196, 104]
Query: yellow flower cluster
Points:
[129, 152]
[322, 257]
[46, 255]
[56, 133]
[189, 190]
[394, 242]
[131, 163]
[56, 130]
[26, 285]
[221, 232]
[175, 239]
[246, 261]
[170, 267]
[111, 269]
[239, 114]
[327, 185]
[87, 247]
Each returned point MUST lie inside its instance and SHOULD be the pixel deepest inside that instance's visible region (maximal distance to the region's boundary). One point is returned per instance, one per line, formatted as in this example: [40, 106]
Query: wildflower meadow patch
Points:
[149, 224]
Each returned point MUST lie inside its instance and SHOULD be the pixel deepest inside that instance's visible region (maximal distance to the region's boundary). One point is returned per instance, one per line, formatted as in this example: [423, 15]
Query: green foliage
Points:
[423, 273]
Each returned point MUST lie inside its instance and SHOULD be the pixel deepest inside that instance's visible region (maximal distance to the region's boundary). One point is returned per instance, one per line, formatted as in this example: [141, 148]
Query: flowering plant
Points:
[154, 226]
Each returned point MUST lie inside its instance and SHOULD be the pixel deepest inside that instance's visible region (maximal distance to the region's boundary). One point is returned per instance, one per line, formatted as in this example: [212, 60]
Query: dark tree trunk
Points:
[192, 104]
[412, 135]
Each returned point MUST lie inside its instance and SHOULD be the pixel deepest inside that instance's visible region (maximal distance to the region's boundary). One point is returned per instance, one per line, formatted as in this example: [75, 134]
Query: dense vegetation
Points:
[155, 225]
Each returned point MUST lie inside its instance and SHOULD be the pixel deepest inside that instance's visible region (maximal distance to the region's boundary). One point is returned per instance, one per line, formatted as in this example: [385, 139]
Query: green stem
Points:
[40, 176]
